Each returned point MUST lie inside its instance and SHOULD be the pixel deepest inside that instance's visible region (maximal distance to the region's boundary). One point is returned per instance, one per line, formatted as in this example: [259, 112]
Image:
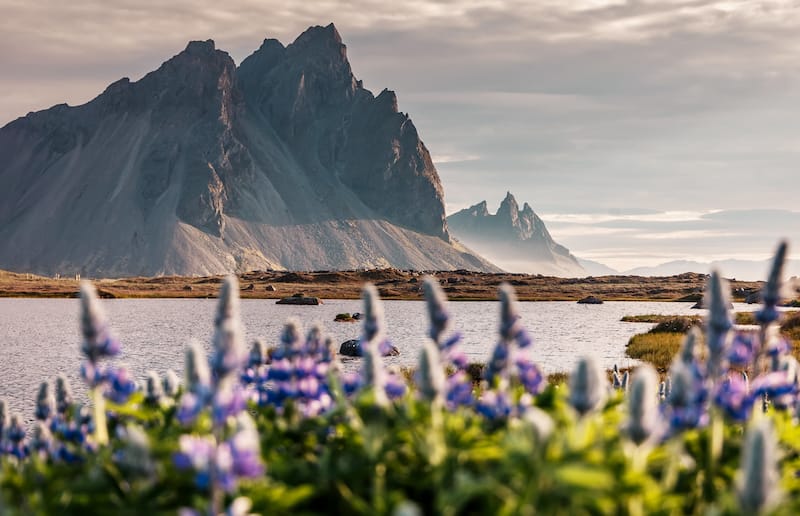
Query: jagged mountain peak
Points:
[204, 167]
[515, 239]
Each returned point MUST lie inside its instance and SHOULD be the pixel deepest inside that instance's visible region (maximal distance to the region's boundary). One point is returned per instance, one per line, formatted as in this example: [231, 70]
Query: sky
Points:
[640, 131]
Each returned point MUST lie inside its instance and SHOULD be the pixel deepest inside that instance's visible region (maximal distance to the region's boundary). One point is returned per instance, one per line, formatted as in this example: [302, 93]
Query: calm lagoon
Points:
[41, 338]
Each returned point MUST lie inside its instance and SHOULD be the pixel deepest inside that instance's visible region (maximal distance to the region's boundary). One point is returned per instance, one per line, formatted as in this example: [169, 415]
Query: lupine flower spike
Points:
[45, 402]
[759, 479]
[229, 349]
[587, 386]
[64, 398]
[373, 373]
[771, 294]
[643, 405]
[718, 324]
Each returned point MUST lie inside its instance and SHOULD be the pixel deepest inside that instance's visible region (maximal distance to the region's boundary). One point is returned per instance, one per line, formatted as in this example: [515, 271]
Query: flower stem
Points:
[100, 425]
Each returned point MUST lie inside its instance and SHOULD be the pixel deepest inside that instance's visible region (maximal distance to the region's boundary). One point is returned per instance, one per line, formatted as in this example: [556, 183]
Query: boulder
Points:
[350, 348]
[590, 300]
[299, 299]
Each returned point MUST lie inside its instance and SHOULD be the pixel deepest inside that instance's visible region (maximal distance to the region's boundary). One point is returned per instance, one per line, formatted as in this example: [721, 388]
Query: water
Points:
[40, 338]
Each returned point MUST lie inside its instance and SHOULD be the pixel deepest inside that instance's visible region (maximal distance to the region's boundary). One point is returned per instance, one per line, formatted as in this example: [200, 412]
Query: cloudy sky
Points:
[641, 131]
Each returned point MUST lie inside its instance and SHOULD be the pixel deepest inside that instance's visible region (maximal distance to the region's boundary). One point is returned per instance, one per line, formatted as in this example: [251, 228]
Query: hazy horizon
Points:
[640, 132]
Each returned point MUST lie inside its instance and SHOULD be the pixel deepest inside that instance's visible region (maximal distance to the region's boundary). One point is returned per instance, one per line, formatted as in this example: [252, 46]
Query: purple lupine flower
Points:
[121, 384]
[228, 401]
[777, 386]
[64, 397]
[530, 375]
[643, 414]
[45, 402]
[459, 390]
[758, 482]
[743, 350]
[171, 383]
[189, 407]
[734, 398]
[245, 449]
[93, 374]
[771, 293]
[98, 342]
[616, 381]
[258, 354]
[587, 386]
[195, 452]
[718, 324]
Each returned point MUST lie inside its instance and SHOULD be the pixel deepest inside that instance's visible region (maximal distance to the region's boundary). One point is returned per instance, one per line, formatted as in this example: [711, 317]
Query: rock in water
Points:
[517, 240]
[351, 348]
[590, 300]
[202, 167]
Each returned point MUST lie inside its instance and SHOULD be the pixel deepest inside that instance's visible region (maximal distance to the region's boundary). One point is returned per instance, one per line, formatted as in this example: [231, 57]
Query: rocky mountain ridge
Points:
[203, 167]
[515, 239]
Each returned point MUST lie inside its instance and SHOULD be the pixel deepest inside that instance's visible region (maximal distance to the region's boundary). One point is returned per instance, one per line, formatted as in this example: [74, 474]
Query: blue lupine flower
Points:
[587, 386]
[685, 407]
[530, 375]
[15, 434]
[245, 449]
[459, 390]
[135, 456]
[121, 384]
[776, 386]
[64, 397]
[41, 440]
[494, 405]
[498, 363]
[45, 402]
[771, 293]
[98, 342]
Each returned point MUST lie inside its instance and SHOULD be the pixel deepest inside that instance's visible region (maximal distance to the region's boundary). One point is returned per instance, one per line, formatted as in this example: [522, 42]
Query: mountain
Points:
[203, 167]
[746, 270]
[594, 268]
[517, 240]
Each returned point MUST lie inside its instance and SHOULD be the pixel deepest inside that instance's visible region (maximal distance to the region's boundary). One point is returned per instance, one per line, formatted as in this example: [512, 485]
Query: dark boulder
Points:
[351, 348]
[590, 300]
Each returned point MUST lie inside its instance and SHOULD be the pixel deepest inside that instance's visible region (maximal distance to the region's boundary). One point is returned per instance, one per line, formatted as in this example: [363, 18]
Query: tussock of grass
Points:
[655, 348]
[655, 318]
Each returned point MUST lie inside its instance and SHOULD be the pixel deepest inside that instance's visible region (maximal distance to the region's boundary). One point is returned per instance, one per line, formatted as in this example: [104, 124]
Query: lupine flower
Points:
[718, 324]
[45, 402]
[459, 390]
[733, 396]
[494, 405]
[643, 405]
[587, 386]
[41, 439]
[530, 376]
[154, 391]
[245, 449]
[15, 434]
[64, 398]
[98, 342]
[437, 313]
[135, 455]
[758, 483]
[372, 371]
[3, 421]
[121, 384]
[258, 354]
[198, 376]
[228, 401]
[776, 386]
[685, 406]
[743, 350]
[688, 353]
[229, 351]
[430, 375]
[540, 421]
[171, 383]
[625, 379]
[616, 381]
[771, 293]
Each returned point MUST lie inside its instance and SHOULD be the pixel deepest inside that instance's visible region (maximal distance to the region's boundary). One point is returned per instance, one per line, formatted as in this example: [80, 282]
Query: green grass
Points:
[657, 319]
[655, 348]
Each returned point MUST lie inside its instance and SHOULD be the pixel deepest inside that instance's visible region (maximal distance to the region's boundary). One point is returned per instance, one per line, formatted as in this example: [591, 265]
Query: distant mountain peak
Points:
[515, 239]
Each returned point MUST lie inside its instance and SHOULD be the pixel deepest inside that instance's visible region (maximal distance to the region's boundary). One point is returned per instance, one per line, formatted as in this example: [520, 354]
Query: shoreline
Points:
[392, 284]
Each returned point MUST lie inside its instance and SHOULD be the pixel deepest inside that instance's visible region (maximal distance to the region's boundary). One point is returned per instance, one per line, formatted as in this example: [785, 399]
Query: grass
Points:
[656, 348]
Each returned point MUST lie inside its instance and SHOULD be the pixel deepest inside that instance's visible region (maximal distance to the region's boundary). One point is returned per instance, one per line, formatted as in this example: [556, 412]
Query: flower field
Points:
[284, 430]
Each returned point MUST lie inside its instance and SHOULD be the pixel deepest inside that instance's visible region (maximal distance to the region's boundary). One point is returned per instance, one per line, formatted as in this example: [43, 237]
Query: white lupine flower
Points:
[430, 374]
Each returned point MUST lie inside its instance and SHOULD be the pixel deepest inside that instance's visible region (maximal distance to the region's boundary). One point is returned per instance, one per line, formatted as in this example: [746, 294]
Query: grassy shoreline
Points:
[391, 283]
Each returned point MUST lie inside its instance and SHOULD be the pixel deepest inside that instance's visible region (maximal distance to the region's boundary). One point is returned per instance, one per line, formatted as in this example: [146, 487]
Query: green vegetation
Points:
[655, 348]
